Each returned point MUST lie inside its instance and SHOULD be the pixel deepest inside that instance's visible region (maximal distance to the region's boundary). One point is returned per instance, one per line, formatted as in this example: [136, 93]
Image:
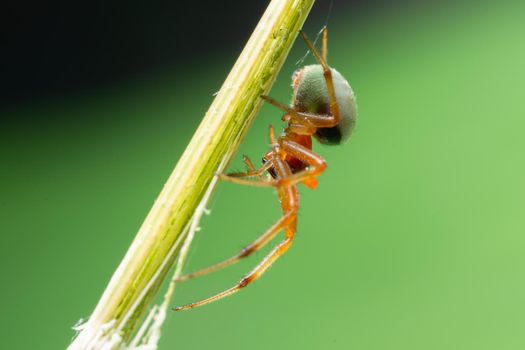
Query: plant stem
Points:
[145, 265]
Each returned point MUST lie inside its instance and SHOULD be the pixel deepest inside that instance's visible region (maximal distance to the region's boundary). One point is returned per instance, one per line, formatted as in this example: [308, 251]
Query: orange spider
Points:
[323, 106]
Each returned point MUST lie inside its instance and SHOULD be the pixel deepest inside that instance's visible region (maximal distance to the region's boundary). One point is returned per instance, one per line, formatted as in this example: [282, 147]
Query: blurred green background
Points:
[415, 238]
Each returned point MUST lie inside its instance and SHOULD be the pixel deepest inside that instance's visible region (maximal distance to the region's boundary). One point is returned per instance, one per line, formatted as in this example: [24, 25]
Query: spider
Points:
[323, 106]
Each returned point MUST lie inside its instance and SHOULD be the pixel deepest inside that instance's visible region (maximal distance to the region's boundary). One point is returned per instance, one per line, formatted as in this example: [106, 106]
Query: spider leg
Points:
[233, 177]
[271, 135]
[238, 177]
[299, 129]
[260, 242]
[334, 107]
[254, 183]
[245, 281]
[325, 42]
[251, 168]
[314, 120]
[316, 163]
[289, 204]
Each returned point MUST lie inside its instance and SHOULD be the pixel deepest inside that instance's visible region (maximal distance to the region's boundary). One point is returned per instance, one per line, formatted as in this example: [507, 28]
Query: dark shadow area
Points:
[55, 48]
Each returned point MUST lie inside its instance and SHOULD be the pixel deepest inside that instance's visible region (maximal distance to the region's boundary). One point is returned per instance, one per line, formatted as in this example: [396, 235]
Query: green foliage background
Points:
[415, 238]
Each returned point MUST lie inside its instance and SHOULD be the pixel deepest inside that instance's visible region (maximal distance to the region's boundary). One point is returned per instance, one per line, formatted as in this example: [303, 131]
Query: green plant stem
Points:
[151, 254]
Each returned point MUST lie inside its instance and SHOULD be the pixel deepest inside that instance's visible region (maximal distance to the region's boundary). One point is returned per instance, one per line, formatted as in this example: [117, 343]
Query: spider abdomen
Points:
[311, 96]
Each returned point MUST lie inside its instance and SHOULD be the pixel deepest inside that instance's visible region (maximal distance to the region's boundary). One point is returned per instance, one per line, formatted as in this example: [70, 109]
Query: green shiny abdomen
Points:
[311, 95]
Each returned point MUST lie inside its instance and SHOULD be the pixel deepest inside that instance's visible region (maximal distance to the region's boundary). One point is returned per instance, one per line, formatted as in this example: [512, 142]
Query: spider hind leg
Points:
[288, 196]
